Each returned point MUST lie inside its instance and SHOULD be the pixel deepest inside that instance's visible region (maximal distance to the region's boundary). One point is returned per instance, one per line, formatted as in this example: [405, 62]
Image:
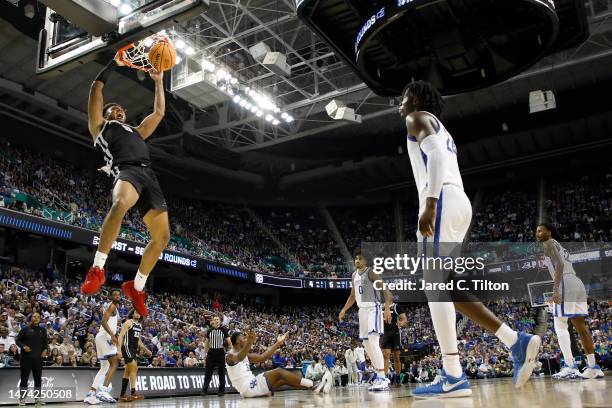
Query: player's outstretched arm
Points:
[95, 104]
[260, 358]
[349, 302]
[95, 120]
[150, 123]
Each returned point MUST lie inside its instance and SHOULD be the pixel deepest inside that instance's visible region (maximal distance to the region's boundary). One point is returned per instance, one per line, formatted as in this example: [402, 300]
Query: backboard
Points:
[65, 42]
[540, 293]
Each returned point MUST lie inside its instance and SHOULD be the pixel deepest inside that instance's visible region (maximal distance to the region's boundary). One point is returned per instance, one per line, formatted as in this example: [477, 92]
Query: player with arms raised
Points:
[239, 361]
[445, 213]
[135, 184]
[371, 315]
[570, 302]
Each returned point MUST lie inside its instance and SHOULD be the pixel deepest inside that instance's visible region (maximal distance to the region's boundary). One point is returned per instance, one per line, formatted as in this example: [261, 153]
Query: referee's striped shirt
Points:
[216, 338]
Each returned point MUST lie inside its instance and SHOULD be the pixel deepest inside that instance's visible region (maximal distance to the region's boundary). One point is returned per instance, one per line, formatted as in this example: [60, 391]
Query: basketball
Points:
[162, 55]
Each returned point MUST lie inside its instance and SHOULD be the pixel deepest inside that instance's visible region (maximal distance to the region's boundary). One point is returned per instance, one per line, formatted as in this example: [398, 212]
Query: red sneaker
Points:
[138, 298]
[94, 279]
[125, 398]
[101, 276]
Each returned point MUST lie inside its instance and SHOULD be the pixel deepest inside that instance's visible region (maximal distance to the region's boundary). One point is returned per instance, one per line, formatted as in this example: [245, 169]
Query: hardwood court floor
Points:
[499, 393]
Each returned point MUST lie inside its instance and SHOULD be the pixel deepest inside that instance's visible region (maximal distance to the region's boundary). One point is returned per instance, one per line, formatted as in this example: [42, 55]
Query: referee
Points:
[32, 340]
[216, 338]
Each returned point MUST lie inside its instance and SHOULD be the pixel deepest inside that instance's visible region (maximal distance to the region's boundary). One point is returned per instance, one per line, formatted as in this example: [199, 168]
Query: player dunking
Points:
[391, 341]
[128, 161]
[106, 349]
[570, 302]
[239, 361]
[371, 316]
[445, 213]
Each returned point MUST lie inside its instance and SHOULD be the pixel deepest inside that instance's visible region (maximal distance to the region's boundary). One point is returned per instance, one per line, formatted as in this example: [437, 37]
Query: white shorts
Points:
[573, 298]
[370, 321]
[258, 387]
[453, 217]
[104, 346]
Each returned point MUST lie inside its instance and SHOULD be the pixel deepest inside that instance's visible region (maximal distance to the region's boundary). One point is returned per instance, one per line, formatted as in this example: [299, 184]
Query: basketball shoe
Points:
[93, 281]
[524, 353]
[567, 373]
[592, 372]
[444, 386]
[138, 298]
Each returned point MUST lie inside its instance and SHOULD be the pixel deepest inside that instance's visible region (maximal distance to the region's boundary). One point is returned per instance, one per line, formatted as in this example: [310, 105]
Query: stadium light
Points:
[189, 51]
[125, 9]
[115, 3]
[180, 44]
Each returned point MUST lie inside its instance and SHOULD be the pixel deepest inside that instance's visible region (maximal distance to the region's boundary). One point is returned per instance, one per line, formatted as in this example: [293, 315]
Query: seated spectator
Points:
[58, 362]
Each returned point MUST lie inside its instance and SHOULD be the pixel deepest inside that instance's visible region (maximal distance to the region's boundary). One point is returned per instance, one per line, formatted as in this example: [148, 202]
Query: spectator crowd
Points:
[175, 330]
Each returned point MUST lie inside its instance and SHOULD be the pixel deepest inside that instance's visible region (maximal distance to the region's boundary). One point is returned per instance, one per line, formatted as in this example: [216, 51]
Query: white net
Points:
[136, 55]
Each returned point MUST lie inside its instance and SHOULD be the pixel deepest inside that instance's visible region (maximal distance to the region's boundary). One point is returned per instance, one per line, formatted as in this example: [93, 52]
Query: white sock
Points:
[139, 281]
[451, 365]
[591, 360]
[563, 337]
[305, 382]
[100, 259]
[506, 335]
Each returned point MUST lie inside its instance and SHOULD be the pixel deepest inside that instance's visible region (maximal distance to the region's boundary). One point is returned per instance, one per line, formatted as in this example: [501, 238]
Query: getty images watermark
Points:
[403, 264]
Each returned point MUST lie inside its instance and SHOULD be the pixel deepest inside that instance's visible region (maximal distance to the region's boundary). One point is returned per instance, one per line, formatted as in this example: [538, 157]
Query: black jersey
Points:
[132, 337]
[396, 311]
[122, 145]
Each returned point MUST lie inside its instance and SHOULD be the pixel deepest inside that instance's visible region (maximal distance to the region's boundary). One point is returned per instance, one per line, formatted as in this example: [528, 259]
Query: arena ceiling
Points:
[314, 151]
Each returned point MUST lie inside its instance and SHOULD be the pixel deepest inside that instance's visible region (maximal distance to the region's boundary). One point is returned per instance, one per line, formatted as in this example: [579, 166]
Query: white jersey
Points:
[365, 294]
[418, 160]
[240, 375]
[568, 267]
[113, 321]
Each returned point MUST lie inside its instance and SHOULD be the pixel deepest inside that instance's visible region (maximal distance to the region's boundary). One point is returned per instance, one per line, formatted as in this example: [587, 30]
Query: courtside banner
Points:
[65, 384]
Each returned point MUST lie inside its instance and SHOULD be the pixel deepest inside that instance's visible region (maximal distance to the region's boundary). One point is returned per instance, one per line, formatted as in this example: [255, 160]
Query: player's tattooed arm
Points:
[150, 123]
[349, 302]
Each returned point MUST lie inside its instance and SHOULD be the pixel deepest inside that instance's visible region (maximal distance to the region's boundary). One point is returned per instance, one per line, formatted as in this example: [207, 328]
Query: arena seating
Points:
[295, 240]
[174, 330]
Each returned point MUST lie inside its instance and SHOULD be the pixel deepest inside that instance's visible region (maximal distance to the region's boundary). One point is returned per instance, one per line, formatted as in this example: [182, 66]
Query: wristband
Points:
[104, 74]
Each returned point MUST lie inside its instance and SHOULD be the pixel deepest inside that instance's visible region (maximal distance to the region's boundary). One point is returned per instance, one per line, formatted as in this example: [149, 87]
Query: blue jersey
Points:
[330, 360]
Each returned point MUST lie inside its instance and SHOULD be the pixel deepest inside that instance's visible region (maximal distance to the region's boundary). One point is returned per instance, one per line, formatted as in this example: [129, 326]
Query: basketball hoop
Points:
[136, 55]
